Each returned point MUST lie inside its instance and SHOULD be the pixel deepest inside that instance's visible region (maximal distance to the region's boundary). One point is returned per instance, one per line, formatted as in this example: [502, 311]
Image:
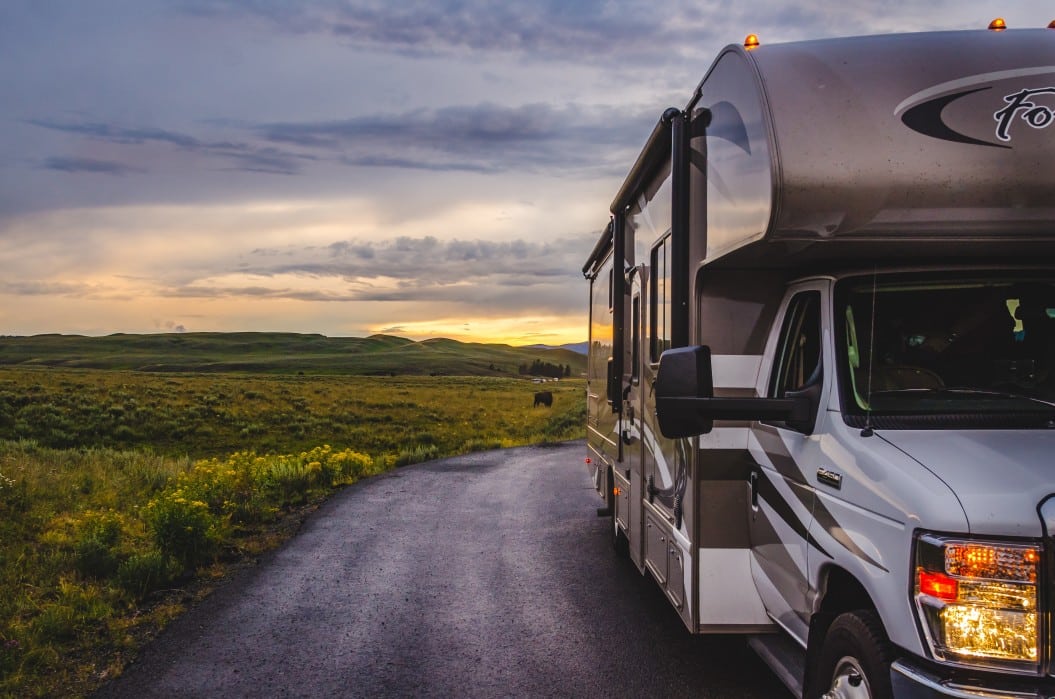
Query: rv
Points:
[821, 387]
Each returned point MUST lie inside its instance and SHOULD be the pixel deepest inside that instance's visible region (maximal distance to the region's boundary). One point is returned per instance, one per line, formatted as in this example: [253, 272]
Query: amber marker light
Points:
[617, 491]
[751, 42]
[998, 24]
[937, 585]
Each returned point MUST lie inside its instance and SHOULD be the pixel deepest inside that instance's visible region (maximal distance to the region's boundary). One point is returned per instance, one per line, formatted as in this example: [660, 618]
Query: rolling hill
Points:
[280, 353]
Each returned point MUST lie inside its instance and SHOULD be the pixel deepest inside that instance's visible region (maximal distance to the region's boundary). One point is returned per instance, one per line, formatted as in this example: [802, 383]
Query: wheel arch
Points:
[839, 591]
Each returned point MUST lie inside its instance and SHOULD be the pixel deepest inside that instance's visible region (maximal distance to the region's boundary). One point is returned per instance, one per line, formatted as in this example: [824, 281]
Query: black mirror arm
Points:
[796, 409]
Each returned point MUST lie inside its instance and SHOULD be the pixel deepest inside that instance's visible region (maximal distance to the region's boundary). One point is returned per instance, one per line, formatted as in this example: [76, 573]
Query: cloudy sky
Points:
[415, 167]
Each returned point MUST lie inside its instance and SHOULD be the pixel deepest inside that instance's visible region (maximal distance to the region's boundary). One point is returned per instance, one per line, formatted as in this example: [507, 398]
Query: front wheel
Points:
[855, 659]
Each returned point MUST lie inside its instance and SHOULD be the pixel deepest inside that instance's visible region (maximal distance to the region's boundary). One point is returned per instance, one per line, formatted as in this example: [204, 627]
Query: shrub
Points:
[416, 455]
[75, 610]
[351, 465]
[144, 573]
[286, 479]
[96, 544]
[183, 530]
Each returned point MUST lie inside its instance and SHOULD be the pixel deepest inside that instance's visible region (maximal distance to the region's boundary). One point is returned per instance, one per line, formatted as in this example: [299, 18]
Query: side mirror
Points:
[684, 376]
[686, 406]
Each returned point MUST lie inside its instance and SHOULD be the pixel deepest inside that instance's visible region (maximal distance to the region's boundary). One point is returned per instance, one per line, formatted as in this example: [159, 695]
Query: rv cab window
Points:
[798, 362]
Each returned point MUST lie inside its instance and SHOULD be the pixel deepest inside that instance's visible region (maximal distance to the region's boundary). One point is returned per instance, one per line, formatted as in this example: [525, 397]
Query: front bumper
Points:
[912, 681]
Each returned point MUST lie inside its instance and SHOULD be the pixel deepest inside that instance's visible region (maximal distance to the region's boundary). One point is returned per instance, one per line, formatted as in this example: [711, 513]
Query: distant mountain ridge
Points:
[280, 353]
[582, 348]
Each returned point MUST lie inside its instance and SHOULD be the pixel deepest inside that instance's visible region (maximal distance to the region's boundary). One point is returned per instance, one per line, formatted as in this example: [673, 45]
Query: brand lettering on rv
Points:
[1022, 106]
[940, 111]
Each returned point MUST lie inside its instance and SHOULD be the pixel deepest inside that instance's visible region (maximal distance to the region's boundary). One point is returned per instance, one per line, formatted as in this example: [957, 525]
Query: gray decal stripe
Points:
[824, 518]
[770, 440]
[766, 535]
[768, 492]
[778, 556]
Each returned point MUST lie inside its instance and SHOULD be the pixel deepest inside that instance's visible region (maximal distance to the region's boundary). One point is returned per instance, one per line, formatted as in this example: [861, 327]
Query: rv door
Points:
[782, 498]
[633, 412]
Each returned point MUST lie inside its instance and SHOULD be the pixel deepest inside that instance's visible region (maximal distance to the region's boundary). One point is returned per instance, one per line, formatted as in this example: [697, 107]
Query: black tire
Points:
[855, 659]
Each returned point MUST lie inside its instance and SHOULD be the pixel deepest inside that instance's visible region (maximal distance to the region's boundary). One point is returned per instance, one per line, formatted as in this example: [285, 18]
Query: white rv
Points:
[821, 399]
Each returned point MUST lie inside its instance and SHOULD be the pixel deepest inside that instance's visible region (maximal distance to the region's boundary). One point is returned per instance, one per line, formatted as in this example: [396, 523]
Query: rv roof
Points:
[935, 135]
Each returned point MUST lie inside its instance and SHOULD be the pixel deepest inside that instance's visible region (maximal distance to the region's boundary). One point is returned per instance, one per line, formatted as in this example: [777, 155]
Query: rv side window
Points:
[635, 346]
[798, 359]
[659, 322]
[601, 329]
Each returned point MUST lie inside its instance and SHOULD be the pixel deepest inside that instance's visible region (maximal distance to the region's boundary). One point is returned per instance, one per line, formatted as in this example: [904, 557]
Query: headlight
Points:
[978, 601]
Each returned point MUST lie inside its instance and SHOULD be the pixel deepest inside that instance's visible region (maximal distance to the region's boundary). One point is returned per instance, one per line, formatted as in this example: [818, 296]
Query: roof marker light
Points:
[998, 24]
[751, 42]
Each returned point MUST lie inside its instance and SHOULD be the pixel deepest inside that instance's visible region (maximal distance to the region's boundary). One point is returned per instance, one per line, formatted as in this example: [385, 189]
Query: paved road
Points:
[488, 575]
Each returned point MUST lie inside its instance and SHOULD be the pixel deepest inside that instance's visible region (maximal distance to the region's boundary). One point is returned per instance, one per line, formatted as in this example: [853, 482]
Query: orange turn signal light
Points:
[617, 491]
[998, 24]
[751, 42]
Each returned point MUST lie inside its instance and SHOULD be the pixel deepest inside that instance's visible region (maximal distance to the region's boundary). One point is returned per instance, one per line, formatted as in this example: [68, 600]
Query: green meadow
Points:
[124, 494]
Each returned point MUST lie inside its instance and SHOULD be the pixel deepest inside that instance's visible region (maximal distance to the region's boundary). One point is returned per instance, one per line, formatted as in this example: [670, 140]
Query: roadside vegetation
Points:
[124, 495]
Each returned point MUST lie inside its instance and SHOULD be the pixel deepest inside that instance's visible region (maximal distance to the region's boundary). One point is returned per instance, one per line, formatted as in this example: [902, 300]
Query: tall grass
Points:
[214, 415]
[96, 535]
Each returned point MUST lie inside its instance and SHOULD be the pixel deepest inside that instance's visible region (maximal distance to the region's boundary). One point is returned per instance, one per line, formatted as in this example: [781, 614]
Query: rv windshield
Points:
[978, 349]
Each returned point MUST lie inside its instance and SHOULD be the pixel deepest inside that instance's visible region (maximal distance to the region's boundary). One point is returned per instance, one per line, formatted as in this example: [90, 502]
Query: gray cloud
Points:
[45, 288]
[428, 260]
[244, 156]
[419, 164]
[633, 32]
[484, 138]
[119, 135]
[482, 273]
[476, 138]
[586, 30]
[89, 165]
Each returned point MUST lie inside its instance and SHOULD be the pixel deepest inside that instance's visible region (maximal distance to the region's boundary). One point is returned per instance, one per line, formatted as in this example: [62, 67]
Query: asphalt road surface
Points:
[488, 575]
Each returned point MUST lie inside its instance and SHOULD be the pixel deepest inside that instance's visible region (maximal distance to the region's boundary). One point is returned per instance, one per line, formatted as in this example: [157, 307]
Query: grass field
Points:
[280, 353]
[210, 415]
[123, 493]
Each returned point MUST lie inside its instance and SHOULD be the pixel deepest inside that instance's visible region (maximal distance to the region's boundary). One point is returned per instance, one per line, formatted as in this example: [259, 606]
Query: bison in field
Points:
[543, 398]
